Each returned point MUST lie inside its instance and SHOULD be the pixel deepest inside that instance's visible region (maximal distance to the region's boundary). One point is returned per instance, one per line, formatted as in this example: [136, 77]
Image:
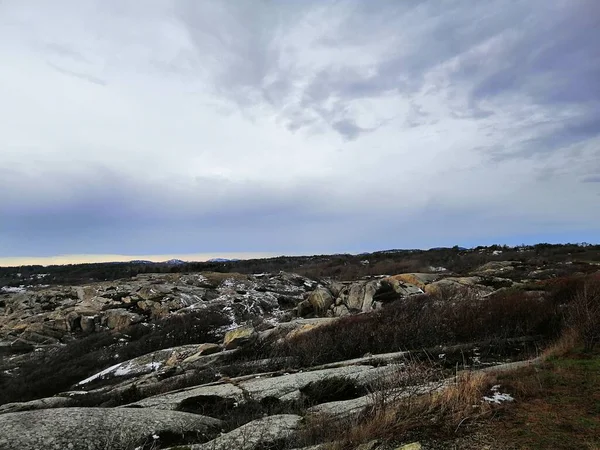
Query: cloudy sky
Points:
[178, 126]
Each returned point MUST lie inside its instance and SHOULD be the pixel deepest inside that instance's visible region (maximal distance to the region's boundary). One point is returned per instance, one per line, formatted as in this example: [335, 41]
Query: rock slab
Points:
[97, 428]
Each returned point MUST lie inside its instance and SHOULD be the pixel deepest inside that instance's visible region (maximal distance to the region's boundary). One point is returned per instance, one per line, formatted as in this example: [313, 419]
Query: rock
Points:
[341, 311]
[343, 409]
[411, 446]
[193, 398]
[98, 428]
[119, 319]
[372, 445]
[496, 268]
[153, 292]
[42, 403]
[321, 299]
[288, 387]
[335, 288]
[360, 296]
[263, 433]
[392, 289]
[417, 279]
[304, 308]
[239, 336]
[203, 350]
[148, 363]
[88, 323]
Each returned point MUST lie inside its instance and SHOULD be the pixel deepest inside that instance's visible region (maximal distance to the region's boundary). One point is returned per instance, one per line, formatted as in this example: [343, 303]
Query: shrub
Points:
[583, 314]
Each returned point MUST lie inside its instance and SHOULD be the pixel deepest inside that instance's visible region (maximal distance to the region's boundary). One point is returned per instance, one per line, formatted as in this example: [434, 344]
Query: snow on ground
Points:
[498, 397]
[12, 290]
[123, 369]
[100, 374]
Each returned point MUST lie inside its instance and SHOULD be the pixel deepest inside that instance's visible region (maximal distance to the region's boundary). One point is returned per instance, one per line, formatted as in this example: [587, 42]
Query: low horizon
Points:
[203, 257]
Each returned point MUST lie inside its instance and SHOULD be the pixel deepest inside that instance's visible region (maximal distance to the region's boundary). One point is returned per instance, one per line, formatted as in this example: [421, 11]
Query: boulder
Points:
[343, 409]
[304, 308]
[239, 336]
[88, 323]
[321, 299]
[42, 403]
[288, 387]
[341, 311]
[119, 318]
[268, 432]
[360, 296]
[411, 446]
[197, 398]
[98, 428]
[392, 289]
[416, 279]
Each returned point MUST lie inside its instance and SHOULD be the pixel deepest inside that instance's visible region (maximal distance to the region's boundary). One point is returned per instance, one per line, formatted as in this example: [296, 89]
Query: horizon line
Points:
[59, 260]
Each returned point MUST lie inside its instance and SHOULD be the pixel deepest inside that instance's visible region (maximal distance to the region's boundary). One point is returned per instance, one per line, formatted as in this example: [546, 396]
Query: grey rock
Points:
[260, 433]
[239, 336]
[119, 319]
[197, 395]
[342, 410]
[287, 387]
[321, 299]
[42, 403]
[341, 311]
[97, 428]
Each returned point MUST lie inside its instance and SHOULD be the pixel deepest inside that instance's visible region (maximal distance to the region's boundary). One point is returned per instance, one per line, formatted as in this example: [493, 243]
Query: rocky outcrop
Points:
[262, 433]
[239, 336]
[98, 428]
[42, 403]
[46, 316]
[321, 299]
[195, 397]
[337, 299]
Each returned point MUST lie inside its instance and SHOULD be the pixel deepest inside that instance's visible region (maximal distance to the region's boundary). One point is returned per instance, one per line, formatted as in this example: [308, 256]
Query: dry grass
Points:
[557, 404]
[437, 409]
[563, 345]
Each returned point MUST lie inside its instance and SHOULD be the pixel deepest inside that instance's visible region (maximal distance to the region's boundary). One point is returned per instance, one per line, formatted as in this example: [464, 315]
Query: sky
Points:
[176, 127]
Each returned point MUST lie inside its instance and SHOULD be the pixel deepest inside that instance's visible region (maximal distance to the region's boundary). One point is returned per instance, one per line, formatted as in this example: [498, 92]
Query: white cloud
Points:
[340, 108]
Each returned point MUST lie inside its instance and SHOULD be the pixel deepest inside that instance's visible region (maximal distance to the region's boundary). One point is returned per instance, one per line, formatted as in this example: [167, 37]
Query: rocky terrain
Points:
[210, 360]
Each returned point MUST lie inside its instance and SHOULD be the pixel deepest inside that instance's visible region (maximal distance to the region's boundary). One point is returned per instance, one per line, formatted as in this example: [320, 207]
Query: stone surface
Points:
[48, 315]
[263, 433]
[177, 399]
[287, 387]
[42, 403]
[97, 428]
[321, 299]
[411, 446]
[239, 336]
[119, 319]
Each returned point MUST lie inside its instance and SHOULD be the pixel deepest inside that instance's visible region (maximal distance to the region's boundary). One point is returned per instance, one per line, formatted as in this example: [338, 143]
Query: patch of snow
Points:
[498, 397]
[497, 252]
[437, 269]
[153, 366]
[12, 290]
[100, 374]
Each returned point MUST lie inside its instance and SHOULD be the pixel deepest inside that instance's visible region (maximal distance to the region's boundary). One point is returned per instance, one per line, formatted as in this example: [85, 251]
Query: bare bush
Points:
[583, 314]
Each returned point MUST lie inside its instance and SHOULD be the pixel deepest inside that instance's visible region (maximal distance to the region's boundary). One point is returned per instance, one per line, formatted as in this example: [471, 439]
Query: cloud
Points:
[179, 127]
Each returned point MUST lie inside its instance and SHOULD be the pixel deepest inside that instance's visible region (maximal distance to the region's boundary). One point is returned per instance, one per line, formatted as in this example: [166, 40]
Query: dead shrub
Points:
[583, 315]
